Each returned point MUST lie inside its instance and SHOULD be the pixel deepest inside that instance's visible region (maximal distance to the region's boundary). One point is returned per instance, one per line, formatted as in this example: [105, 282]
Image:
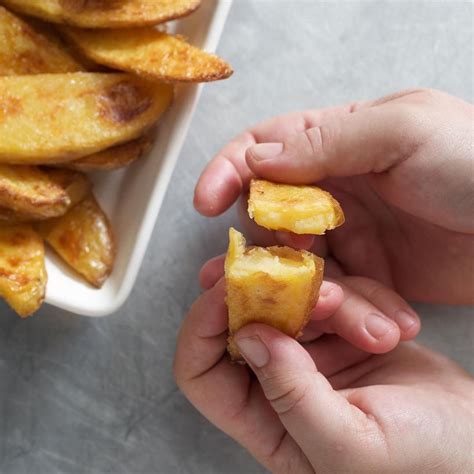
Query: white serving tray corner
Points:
[132, 197]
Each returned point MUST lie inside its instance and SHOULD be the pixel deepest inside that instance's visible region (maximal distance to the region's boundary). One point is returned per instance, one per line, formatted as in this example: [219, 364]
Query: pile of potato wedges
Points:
[82, 85]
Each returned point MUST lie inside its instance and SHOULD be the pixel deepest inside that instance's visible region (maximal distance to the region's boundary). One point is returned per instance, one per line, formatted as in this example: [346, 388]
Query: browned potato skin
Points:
[105, 13]
[83, 238]
[73, 186]
[29, 191]
[283, 301]
[149, 53]
[25, 50]
[22, 271]
[50, 117]
[112, 158]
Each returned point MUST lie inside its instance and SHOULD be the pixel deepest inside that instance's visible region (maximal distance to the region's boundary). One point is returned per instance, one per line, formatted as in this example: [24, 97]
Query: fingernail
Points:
[404, 320]
[266, 151]
[253, 351]
[377, 325]
[326, 289]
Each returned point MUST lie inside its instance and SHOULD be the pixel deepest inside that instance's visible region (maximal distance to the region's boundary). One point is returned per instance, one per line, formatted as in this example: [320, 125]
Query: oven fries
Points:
[47, 117]
[74, 100]
[22, 270]
[83, 238]
[149, 53]
[298, 209]
[105, 13]
[277, 286]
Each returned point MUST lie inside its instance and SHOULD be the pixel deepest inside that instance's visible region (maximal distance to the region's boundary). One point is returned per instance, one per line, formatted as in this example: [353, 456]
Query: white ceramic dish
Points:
[132, 197]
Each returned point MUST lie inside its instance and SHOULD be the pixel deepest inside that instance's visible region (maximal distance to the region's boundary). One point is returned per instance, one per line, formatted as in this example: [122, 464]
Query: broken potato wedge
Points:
[83, 238]
[22, 270]
[24, 50]
[149, 53]
[277, 286]
[49, 117]
[105, 13]
[293, 208]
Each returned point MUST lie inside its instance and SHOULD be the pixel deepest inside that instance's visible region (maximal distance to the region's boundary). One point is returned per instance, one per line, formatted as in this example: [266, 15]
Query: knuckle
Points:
[286, 395]
[313, 140]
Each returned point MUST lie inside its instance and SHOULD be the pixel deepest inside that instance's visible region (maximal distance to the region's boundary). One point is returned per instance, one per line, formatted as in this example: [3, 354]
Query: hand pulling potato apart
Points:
[278, 286]
[292, 208]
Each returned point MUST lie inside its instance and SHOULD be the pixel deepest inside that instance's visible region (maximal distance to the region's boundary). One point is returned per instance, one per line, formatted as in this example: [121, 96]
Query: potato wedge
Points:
[277, 286]
[76, 184]
[50, 117]
[149, 53]
[105, 13]
[24, 50]
[28, 190]
[24, 199]
[114, 157]
[22, 271]
[83, 239]
[298, 209]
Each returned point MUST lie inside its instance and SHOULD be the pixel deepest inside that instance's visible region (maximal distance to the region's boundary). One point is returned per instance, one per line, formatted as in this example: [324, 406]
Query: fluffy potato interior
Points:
[298, 209]
[277, 286]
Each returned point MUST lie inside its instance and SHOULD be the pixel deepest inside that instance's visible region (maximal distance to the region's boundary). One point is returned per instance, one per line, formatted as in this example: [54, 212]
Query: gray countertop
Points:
[81, 395]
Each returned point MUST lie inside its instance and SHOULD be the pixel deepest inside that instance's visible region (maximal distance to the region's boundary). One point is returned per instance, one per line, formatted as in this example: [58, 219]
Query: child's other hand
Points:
[325, 405]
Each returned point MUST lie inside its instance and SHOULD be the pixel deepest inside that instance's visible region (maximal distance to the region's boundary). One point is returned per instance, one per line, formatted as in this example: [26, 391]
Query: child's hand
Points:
[401, 167]
[406, 411]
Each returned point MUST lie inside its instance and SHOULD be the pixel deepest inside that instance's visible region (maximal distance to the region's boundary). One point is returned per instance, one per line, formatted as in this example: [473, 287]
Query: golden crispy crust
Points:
[277, 286]
[26, 50]
[150, 53]
[83, 238]
[22, 270]
[46, 118]
[28, 190]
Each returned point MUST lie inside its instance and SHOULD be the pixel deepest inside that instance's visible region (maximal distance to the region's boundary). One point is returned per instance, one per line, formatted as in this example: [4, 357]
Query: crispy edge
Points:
[222, 69]
[47, 227]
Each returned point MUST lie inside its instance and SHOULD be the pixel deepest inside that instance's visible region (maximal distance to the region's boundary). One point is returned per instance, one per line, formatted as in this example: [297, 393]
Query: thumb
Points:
[318, 418]
[372, 139]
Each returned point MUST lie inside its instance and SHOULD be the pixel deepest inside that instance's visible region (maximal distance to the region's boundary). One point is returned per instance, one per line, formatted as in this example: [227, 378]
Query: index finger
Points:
[227, 174]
